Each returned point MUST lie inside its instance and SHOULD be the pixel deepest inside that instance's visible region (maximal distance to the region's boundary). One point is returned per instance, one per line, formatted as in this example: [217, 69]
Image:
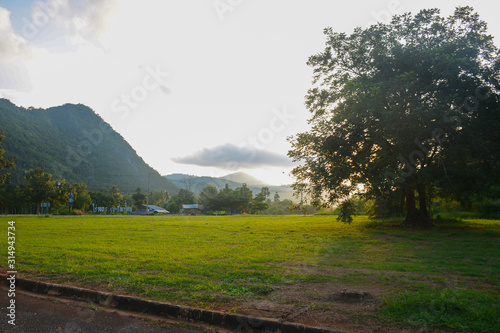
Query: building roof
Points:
[152, 207]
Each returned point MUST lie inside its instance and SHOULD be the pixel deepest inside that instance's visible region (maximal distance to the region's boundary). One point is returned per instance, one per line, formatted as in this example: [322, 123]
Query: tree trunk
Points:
[410, 201]
[412, 215]
[416, 217]
[422, 198]
[402, 205]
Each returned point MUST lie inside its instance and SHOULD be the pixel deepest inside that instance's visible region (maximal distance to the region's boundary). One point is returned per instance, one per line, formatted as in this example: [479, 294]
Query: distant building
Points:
[156, 210]
[191, 209]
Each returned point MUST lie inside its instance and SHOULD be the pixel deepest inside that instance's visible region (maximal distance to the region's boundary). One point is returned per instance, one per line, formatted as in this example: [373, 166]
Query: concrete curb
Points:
[239, 323]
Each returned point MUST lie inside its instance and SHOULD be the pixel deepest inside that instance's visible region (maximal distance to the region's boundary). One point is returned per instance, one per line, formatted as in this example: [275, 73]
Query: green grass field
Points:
[446, 277]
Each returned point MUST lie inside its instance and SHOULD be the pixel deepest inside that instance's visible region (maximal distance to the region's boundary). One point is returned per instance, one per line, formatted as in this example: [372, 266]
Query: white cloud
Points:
[13, 51]
[12, 46]
[82, 22]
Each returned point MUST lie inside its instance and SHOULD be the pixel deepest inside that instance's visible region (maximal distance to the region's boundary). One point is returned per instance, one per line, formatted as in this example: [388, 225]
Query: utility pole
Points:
[147, 196]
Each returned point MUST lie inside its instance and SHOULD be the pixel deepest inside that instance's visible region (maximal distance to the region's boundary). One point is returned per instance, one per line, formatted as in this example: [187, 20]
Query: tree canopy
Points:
[404, 107]
[226, 198]
[40, 187]
[182, 197]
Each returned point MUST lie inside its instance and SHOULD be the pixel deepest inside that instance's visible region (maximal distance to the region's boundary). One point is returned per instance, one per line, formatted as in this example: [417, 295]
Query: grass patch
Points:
[462, 310]
[225, 259]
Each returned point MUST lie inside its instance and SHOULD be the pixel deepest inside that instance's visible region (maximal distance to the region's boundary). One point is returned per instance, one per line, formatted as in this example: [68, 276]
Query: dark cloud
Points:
[229, 156]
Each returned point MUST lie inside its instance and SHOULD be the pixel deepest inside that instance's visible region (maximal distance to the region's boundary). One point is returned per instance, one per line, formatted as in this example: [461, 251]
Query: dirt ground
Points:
[335, 306]
[324, 305]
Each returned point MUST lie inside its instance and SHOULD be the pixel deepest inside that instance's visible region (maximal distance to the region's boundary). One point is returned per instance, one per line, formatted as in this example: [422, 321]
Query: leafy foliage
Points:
[159, 198]
[82, 199]
[139, 197]
[182, 197]
[226, 199]
[107, 197]
[401, 108]
[259, 202]
[346, 211]
[40, 187]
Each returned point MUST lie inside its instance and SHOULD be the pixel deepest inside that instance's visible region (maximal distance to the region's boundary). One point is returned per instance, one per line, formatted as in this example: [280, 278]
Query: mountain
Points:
[196, 183]
[72, 142]
[241, 177]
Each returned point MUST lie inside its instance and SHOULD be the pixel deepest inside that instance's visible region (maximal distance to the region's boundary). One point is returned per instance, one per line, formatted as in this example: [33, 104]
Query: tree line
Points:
[41, 187]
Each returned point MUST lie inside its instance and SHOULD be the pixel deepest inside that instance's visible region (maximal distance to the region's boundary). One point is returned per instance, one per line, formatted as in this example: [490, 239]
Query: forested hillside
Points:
[72, 142]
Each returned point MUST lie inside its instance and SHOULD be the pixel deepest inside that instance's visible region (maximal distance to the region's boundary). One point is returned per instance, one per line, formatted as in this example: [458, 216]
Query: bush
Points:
[489, 209]
[440, 205]
[346, 211]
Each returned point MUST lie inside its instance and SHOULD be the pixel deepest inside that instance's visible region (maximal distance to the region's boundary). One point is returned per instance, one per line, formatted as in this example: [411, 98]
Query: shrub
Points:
[346, 211]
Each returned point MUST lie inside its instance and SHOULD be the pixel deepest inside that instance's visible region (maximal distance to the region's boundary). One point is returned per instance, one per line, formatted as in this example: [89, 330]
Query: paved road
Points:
[35, 313]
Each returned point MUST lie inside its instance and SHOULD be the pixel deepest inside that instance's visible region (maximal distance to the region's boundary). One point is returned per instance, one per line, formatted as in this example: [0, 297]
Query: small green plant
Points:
[347, 210]
[96, 308]
[322, 307]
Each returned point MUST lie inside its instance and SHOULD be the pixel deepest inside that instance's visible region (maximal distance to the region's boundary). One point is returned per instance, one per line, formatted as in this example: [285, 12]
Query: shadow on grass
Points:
[462, 310]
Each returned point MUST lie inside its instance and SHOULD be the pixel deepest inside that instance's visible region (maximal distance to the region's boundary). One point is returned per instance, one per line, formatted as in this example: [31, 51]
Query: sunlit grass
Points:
[229, 258]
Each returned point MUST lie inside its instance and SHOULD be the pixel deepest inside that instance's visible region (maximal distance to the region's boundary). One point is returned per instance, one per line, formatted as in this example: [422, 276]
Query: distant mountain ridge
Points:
[241, 177]
[72, 142]
[196, 183]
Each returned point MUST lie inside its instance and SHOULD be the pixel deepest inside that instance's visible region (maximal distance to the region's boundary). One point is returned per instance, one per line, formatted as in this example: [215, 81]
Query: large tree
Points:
[182, 197]
[111, 197]
[40, 187]
[82, 200]
[139, 197]
[208, 197]
[12, 197]
[259, 203]
[402, 108]
[242, 197]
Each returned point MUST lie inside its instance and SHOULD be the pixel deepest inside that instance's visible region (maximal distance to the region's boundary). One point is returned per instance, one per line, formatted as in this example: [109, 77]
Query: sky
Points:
[203, 87]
